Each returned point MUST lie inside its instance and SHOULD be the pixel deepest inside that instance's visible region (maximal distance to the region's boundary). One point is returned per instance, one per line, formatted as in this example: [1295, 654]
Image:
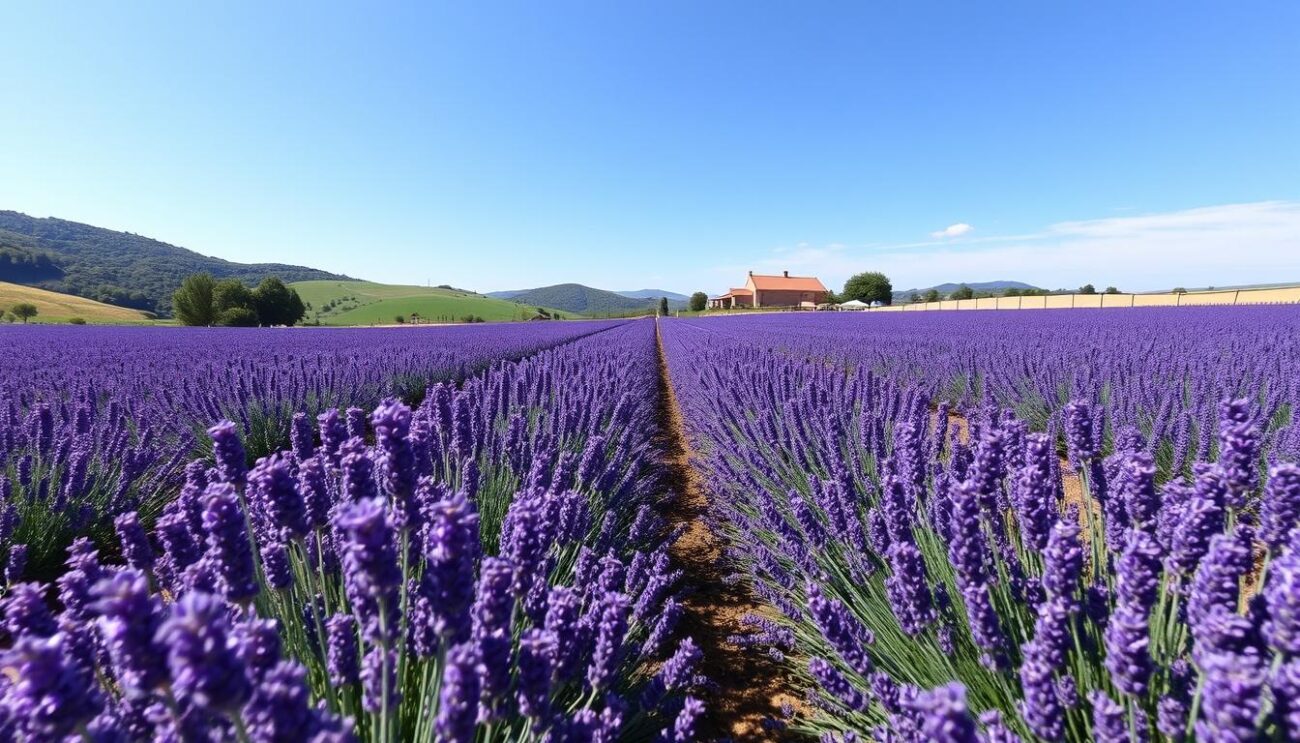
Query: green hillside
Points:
[119, 268]
[583, 300]
[368, 303]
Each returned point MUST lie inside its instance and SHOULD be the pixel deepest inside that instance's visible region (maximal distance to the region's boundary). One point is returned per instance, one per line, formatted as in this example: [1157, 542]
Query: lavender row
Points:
[98, 421]
[949, 577]
[1162, 371]
[489, 568]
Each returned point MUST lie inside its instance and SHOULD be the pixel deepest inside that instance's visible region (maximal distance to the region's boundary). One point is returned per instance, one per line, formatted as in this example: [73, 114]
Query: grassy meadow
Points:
[368, 303]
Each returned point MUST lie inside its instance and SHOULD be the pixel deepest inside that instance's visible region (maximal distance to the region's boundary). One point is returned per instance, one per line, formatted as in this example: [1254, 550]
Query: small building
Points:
[762, 290]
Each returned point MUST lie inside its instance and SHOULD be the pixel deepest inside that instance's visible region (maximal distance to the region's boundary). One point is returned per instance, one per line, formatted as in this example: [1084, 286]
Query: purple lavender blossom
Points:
[341, 653]
[371, 573]
[229, 551]
[136, 549]
[536, 652]
[908, 588]
[228, 450]
[52, 695]
[944, 717]
[458, 700]
[272, 486]
[201, 659]
[129, 618]
[16, 563]
[278, 709]
[610, 632]
[1239, 442]
[684, 727]
[1231, 696]
[841, 629]
[1280, 509]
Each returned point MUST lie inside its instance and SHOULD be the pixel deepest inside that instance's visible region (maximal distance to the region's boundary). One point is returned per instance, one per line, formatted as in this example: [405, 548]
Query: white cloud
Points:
[1207, 246]
[952, 230]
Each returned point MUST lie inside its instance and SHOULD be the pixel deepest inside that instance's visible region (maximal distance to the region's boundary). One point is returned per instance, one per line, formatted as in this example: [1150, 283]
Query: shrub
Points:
[77, 320]
[238, 317]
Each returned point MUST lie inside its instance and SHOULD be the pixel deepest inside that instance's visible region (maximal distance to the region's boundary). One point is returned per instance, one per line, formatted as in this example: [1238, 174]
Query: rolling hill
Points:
[53, 307]
[582, 300]
[950, 287]
[585, 300]
[654, 294]
[119, 268]
[368, 303]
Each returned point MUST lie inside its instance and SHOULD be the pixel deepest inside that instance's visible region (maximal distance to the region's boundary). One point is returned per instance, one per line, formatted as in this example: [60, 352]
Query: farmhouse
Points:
[761, 290]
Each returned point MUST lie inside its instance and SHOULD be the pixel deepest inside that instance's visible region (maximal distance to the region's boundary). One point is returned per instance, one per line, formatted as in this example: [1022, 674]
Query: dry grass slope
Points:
[53, 307]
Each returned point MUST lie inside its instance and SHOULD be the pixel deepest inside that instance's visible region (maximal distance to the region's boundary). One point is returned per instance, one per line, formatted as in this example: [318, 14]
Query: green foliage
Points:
[472, 319]
[238, 317]
[77, 320]
[231, 294]
[1112, 290]
[193, 302]
[400, 319]
[277, 304]
[1087, 289]
[22, 266]
[932, 295]
[118, 268]
[962, 292]
[1179, 290]
[201, 300]
[699, 300]
[24, 311]
[663, 306]
[914, 297]
[871, 286]
[1013, 292]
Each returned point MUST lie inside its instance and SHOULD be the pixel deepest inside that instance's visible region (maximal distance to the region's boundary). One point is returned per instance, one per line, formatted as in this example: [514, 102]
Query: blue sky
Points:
[672, 144]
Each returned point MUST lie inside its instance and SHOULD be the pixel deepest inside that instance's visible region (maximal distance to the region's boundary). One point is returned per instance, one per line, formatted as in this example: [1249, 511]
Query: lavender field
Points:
[976, 526]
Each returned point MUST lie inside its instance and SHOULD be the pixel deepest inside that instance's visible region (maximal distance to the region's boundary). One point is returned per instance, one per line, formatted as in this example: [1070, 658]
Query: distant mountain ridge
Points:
[979, 286]
[583, 300]
[654, 294]
[119, 268]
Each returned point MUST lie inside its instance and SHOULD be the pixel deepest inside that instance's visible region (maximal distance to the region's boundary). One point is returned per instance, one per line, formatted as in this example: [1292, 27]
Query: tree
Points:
[24, 311]
[1112, 290]
[699, 300]
[1087, 289]
[1179, 290]
[1012, 291]
[932, 295]
[962, 292]
[871, 286]
[663, 306]
[230, 294]
[193, 302]
[277, 304]
[914, 297]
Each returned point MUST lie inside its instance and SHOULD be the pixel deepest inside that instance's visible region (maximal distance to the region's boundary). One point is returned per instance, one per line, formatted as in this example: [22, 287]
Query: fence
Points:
[1275, 295]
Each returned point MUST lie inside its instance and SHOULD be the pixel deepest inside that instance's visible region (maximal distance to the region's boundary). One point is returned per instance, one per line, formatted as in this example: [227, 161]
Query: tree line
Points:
[202, 300]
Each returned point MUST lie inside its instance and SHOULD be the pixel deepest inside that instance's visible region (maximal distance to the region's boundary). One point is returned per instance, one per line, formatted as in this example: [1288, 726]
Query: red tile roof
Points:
[741, 292]
[787, 283]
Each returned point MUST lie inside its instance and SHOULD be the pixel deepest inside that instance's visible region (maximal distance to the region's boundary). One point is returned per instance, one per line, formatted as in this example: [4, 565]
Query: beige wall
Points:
[1290, 294]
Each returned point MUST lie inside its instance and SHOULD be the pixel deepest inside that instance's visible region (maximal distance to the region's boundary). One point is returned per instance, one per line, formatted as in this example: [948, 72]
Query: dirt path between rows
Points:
[750, 687]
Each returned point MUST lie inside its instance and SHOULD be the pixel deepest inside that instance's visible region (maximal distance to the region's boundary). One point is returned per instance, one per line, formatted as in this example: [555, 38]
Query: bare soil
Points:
[748, 686]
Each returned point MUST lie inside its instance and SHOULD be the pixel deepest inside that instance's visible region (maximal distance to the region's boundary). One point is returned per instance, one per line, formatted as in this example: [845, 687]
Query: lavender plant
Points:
[944, 572]
[482, 566]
